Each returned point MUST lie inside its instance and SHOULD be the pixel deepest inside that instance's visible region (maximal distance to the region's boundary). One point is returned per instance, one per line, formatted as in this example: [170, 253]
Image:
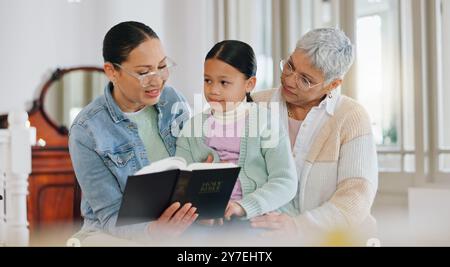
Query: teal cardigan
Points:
[268, 174]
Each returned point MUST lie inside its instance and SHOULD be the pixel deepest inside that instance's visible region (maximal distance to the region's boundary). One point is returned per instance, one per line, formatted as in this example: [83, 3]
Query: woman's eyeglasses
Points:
[301, 81]
[146, 79]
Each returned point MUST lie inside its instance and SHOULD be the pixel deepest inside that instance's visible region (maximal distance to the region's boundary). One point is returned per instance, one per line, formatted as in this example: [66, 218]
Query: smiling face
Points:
[225, 86]
[128, 92]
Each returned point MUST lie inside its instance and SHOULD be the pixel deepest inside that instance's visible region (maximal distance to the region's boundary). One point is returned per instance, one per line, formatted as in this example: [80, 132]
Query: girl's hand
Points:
[209, 159]
[173, 222]
[234, 208]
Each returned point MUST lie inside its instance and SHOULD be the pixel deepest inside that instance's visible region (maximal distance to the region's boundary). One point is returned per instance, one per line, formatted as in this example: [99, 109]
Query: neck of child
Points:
[237, 113]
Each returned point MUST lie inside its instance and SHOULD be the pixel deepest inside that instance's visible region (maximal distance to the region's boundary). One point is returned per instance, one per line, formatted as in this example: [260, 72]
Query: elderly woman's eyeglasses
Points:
[301, 81]
[146, 78]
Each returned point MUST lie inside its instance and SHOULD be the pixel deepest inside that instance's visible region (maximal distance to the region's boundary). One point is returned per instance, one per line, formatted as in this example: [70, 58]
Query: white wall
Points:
[445, 71]
[39, 36]
[187, 38]
[111, 12]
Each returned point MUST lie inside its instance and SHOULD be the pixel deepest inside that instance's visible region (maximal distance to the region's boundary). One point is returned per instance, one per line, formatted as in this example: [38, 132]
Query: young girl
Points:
[268, 179]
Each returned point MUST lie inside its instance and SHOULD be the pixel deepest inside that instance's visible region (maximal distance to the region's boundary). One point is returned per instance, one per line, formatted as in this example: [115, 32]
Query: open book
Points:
[208, 186]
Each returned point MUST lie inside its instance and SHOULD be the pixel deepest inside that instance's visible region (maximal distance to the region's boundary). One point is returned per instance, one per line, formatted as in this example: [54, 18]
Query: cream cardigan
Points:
[338, 178]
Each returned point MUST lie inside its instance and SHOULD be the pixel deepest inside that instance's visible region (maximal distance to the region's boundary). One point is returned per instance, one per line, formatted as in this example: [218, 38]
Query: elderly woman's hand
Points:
[280, 224]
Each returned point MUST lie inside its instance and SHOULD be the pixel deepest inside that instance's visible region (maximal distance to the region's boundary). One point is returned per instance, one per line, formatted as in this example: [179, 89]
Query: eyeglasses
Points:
[146, 79]
[301, 81]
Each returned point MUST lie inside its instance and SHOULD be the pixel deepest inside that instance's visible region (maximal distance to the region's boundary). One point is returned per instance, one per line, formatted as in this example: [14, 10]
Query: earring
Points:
[330, 96]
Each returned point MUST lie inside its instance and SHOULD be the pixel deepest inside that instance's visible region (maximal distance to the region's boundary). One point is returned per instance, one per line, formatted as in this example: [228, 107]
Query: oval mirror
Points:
[69, 91]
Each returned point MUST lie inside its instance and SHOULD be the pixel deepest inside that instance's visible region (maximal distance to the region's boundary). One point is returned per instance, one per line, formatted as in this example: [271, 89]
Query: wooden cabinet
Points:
[54, 195]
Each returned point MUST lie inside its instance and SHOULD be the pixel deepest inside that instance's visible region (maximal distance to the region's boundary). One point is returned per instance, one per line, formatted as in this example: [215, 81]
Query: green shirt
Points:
[146, 120]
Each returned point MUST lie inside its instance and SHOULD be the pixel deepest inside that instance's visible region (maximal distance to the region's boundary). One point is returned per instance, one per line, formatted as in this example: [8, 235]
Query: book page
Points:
[166, 164]
[207, 166]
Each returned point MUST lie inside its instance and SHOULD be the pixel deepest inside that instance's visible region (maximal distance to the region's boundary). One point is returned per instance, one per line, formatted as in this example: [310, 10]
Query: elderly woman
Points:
[331, 139]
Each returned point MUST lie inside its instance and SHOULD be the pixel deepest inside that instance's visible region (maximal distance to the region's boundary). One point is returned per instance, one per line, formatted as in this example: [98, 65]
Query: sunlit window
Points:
[444, 91]
[379, 81]
[370, 78]
[255, 28]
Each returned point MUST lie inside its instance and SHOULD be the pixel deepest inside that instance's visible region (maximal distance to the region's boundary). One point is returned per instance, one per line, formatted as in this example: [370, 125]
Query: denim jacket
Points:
[105, 148]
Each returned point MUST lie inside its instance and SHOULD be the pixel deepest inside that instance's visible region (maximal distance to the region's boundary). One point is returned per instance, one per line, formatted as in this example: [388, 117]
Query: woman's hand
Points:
[173, 222]
[280, 224]
[234, 208]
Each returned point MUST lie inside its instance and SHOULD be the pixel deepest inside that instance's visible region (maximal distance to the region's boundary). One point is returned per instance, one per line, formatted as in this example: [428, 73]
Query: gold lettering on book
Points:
[210, 187]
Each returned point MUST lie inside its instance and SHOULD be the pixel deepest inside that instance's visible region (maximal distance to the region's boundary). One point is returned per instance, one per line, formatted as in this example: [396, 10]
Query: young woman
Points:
[127, 128]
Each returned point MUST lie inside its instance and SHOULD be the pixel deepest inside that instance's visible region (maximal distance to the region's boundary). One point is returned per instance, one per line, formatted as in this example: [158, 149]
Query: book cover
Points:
[208, 186]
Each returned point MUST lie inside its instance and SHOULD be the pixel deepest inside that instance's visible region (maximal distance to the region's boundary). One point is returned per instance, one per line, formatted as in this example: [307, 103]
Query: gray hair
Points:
[329, 50]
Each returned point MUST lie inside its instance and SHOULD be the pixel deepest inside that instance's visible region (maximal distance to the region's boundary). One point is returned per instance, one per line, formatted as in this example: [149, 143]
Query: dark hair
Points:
[237, 54]
[121, 39]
